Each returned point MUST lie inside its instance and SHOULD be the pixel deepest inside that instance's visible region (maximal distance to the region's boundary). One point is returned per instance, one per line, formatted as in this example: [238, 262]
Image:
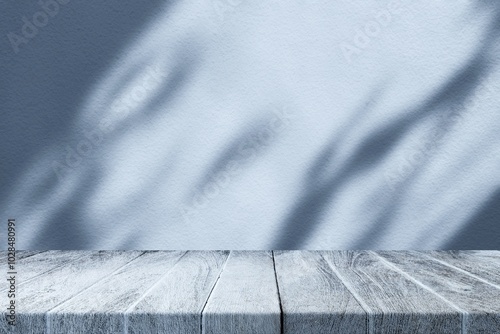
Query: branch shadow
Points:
[304, 218]
[482, 231]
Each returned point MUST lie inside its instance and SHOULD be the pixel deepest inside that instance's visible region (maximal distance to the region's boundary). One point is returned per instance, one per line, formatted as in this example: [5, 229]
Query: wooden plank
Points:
[394, 302]
[313, 298]
[47, 291]
[174, 306]
[101, 308]
[20, 254]
[27, 253]
[245, 298]
[320, 292]
[479, 301]
[29, 267]
[484, 264]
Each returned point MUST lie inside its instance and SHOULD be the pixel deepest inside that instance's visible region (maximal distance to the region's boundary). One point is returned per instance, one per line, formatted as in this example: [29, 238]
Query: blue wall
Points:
[234, 124]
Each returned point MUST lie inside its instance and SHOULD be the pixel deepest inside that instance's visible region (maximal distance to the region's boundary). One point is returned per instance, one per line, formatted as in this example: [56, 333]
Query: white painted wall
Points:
[234, 124]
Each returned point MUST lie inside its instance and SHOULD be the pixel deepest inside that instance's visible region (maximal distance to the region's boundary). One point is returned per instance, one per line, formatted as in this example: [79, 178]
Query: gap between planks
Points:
[279, 295]
[202, 329]
[369, 321]
[47, 320]
[151, 288]
[464, 314]
[461, 270]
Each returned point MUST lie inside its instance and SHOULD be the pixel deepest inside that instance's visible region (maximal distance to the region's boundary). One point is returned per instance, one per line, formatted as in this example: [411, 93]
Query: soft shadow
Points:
[482, 231]
[305, 217]
[43, 85]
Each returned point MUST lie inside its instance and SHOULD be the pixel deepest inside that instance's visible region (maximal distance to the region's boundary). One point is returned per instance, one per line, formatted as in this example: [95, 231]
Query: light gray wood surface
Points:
[245, 298]
[313, 298]
[288, 292]
[484, 264]
[101, 308]
[479, 301]
[20, 254]
[175, 304]
[49, 290]
[394, 303]
[36, 264]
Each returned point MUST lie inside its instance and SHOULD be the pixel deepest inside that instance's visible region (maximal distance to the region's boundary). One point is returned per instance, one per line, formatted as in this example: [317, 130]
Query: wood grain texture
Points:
[20, 254]
[211, 292]
[175, 304]
[51, 289]
[484, 264]
[313, 298]
[394, 303]
[101, 308]
[31, 265]
[479, 300]
[245, 298]
[27, 253]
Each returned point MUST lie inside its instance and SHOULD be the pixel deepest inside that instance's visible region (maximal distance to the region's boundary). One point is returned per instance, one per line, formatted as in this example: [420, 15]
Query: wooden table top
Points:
[268, 292]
